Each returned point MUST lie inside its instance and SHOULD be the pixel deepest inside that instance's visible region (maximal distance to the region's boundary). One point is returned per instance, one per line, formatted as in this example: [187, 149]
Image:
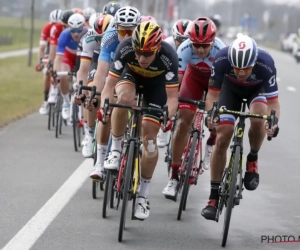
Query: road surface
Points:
[46, 201]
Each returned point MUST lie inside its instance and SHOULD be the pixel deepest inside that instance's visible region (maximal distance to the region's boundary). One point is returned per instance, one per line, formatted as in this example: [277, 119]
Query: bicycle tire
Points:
[107, 194]
[128, 177]
[75, 126]
[113, 196]
[232, 191]
[186, 184]
[58, 110]
[49, 116]
[95, 184]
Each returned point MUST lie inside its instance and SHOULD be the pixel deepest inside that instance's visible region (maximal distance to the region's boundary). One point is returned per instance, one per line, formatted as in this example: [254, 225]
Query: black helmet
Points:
[217, 20]
[111, 8]
[66, 15]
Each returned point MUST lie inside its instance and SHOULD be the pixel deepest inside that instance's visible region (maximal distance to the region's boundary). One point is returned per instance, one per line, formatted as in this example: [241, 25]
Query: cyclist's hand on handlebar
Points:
[272, 132]
[79, 99]
[211, 124]
[91, 106]
[168, 126]
[39, 67]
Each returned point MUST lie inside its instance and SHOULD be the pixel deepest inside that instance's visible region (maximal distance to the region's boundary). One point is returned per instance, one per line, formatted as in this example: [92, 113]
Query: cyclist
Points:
[196, 56]
[88, 65]
[240, 71]
[143, 62]
[54, 17]
[66, 54]
[87, 13]
[180, 31]
[125, 20]
[111, 8]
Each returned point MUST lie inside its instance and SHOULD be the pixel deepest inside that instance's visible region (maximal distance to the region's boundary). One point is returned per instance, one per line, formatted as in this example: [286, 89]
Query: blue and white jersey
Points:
[263, 73]
[66, 43]
[109, 44]
[188, 57]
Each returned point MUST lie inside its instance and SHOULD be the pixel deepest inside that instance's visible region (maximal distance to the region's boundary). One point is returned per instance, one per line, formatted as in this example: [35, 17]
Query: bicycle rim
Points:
[128, 177]
[58, 107]
[232, 192]
[75, 126]
[186, 184]
[107, 194]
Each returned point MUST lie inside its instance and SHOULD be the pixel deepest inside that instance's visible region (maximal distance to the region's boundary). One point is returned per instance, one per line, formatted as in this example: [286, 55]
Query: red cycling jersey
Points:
[45, 34]
[55, 33]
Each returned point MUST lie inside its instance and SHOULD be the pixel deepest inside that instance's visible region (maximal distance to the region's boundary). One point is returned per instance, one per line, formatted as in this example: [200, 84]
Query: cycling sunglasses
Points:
[125, 32]
[78, 31]
[143, 53]
[203, 45]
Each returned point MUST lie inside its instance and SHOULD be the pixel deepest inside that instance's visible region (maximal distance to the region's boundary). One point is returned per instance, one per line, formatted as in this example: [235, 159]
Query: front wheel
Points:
[232, 193]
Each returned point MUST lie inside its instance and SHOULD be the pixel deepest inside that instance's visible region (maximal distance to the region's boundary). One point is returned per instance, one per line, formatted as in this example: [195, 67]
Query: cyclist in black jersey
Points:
[148, 64]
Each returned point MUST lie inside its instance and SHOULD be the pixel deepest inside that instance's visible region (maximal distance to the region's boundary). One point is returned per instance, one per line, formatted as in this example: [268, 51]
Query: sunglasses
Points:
[244, 69]
[179, 39]
[203, 45]
[78, 31]
[145, 54]
[125, 32]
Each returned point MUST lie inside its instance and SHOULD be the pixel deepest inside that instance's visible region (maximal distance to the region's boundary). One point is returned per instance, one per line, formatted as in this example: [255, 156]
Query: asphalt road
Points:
[35, 165]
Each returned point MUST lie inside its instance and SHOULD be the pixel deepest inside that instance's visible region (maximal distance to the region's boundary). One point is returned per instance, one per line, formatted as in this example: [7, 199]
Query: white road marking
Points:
[290, 88]
[35, 227]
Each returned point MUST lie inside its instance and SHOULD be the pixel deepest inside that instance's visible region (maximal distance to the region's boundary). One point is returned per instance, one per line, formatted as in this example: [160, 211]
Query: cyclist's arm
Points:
[60, 52]
[41, 53]
[53, 43]
[183, 53]
[43, 41]
[83, 71]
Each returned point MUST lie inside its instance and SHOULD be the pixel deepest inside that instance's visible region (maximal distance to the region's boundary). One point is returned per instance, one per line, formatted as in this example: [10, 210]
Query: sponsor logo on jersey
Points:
[90, 39]
[202, 67]
[166, 61]
[169, 76]
[265, 66]
[118, 65]
[125, 50]
[145, 72]
[108, 40]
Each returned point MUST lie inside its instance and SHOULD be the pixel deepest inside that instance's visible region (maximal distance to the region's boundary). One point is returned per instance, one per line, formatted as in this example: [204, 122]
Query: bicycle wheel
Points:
[186, 184]
[75, 126]
[50, 115]
[57, 114]
[95, 184]
[107, 193]
[232, 192]
[128, 177]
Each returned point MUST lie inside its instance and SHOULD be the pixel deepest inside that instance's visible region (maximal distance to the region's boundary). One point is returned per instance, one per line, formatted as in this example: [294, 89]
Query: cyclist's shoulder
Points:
[185, 48]
[264, 57]
[110, 39]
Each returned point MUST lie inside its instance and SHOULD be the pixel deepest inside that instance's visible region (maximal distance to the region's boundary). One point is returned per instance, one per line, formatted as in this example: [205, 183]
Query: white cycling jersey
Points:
[89, 45]
[170, 40]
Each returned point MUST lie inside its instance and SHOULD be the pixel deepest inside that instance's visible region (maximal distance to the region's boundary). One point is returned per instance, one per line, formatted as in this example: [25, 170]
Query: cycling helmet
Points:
[242, 52]
[181, 28]
[102, 23]
[111, 8]
[87, 12]
[147, 37]
[78, 10]
[92, 19]
[203, 30]
[217, 20]
[55, 16]
[76, 21]
[66, 15]
[128, 16]
[148, 18]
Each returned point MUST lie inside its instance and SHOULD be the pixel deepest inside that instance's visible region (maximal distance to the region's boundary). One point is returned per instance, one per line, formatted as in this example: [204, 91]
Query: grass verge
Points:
[19, 31]
[21, 89]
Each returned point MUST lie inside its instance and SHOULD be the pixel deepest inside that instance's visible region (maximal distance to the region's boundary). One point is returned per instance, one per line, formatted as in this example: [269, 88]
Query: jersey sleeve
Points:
[220, 67]
[87, 47]
[117, 67]
[62, 43]
[172, 72]
[183, 53]
[54, 35]
[268, 74]
[109, 43]
[45, 34]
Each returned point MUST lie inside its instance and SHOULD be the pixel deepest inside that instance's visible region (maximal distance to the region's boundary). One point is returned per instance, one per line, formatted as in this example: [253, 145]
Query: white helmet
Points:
[242, 52]
[55, 16]
[181, 28]
[93, 19]
[88, 12]
[128, 16]
[76, 21]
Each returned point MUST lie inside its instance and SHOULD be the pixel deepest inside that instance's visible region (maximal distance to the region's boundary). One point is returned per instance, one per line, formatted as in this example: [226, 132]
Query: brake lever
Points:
[93, 94]
[271, 122]
[214, 110]
[166, 115]
[105, 109]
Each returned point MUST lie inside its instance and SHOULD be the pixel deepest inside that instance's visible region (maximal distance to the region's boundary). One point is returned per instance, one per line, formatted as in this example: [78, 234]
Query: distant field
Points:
[18, 30]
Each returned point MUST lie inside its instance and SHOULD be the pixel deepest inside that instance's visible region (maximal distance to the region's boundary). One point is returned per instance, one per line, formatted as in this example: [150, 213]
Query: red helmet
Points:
[203, 30]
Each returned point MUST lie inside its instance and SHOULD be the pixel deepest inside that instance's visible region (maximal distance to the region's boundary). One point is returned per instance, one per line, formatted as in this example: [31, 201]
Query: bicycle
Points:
[190, 169]
[168, 154]
[231, 186]
[129, 173]
[96, 185]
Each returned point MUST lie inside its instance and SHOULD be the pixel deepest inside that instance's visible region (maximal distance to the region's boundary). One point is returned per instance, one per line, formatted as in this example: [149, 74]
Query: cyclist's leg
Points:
[125, 90]
[224, 131]
[67, 65]
[156, 97]
[44, 109]
[257, 103]
[189, 89]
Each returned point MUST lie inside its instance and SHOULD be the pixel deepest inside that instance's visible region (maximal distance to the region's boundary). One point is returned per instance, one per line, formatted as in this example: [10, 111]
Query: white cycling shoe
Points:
[87, 150]
[113, 160]
[142, 208]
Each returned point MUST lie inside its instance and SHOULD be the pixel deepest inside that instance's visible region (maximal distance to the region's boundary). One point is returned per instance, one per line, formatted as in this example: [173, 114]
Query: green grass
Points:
[19, 31]
[21, 88]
